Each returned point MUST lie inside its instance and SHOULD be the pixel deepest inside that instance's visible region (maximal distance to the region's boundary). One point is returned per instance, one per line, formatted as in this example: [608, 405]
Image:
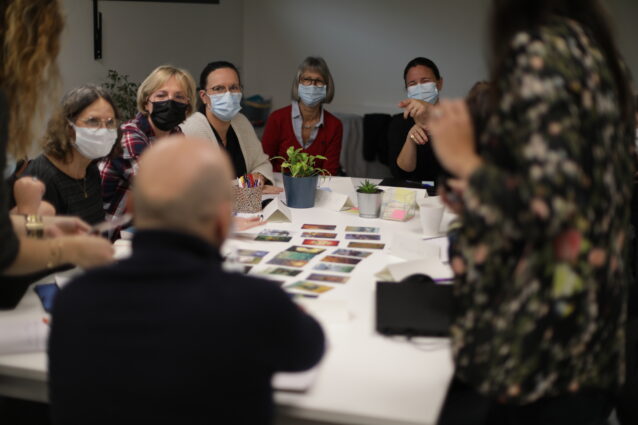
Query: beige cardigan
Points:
[257, 161]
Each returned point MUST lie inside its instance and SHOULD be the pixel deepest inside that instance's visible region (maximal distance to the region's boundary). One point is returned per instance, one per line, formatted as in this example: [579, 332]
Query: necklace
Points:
[82, 186]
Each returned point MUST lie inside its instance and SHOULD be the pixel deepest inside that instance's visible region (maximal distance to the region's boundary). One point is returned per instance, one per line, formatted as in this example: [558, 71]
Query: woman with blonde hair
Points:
[29, 44]
[164, 100]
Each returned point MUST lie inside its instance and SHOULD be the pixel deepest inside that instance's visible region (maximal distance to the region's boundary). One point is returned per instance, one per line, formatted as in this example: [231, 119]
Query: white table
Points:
[364, 378]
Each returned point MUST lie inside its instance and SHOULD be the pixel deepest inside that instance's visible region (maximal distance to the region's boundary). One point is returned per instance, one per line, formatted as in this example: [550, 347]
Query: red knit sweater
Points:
[279, 136]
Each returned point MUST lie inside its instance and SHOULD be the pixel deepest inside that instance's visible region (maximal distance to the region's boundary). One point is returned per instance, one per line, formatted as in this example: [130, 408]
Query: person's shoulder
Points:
[41, 168]
[135, 125]
[195, 120]
[331, 120]
[85, 286]
[282, 112]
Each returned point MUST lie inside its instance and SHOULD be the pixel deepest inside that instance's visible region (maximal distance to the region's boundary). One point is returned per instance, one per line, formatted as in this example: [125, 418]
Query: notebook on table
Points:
[416, 306]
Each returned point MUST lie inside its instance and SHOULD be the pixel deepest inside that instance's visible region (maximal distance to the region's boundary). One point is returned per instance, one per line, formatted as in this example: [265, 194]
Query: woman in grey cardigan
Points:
[219, 120]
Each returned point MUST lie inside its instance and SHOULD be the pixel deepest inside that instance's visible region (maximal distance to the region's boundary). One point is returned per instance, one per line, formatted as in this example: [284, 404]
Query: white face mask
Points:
[226, 105]
[426, 92]
[94, 143]
[10, 167]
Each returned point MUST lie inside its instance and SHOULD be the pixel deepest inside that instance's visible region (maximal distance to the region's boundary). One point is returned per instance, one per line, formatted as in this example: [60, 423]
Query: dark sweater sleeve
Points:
[397, 132]
[298, 337]
[9, 243]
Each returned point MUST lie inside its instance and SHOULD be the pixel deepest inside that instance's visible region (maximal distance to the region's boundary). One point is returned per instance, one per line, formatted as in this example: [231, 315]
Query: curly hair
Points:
[58, 139]
[30, 42]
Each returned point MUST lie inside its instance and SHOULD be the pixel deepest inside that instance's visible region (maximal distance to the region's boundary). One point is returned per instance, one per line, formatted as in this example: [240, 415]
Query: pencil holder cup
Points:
[246, 199]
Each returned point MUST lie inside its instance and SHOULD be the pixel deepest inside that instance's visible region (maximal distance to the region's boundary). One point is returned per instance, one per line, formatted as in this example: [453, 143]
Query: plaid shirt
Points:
[117, 173]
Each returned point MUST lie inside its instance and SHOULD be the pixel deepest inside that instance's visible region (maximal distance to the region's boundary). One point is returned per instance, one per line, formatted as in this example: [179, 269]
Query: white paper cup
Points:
[431, 212]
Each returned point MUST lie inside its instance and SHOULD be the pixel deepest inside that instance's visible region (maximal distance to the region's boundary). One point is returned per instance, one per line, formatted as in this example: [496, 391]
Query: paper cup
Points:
[431, 212]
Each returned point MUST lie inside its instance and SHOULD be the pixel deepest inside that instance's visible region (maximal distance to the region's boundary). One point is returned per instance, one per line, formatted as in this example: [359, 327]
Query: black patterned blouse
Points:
[541, 255]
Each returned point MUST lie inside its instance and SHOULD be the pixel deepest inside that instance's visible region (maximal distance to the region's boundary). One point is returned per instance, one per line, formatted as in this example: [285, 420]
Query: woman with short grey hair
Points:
[83, 130]
[305, 123]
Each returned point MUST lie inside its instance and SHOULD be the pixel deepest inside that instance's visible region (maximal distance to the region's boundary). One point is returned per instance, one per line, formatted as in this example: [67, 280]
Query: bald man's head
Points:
[185, 185]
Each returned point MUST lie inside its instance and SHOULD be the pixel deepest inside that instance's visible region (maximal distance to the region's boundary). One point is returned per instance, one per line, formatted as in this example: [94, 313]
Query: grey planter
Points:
[300, 191]
[370, 204]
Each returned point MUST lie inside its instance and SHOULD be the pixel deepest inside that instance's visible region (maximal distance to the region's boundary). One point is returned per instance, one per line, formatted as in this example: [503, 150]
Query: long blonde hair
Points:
[30, 42]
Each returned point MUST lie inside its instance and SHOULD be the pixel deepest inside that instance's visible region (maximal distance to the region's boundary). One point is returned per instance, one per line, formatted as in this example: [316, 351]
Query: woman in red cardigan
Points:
[305, 123]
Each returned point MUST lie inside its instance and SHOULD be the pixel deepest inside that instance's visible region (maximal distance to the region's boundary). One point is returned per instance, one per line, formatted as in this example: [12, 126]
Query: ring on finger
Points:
[412, 136]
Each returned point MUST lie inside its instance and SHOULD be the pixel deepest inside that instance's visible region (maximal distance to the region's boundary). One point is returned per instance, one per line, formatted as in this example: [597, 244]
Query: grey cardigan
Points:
[257, 161]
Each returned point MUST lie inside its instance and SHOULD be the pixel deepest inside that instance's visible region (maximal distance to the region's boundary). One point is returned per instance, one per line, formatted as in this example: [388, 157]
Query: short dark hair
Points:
[423, 62]
[214, 66]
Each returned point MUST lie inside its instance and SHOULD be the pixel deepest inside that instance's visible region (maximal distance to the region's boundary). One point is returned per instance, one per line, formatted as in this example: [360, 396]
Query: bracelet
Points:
[34, 226]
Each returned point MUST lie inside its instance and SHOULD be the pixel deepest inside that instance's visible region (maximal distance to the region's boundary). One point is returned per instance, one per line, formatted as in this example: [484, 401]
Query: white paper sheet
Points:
[23, 335]
[332, 200]
[411, 246]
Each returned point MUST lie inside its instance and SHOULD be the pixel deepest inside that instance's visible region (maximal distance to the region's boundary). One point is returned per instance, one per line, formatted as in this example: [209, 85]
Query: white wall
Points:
[139, 36]
[366, 44]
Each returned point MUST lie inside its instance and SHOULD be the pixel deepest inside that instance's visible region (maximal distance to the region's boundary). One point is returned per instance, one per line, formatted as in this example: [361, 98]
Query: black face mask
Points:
[168, 114]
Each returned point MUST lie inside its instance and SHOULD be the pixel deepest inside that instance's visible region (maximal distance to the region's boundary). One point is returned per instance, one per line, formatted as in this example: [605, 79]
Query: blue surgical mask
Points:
[426, 92]
[10, 167]
[311, 95]
[226, 105]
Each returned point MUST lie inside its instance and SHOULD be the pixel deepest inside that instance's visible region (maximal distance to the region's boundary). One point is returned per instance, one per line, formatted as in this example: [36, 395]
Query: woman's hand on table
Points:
[269, 189]
[453, 138]
[245, 223]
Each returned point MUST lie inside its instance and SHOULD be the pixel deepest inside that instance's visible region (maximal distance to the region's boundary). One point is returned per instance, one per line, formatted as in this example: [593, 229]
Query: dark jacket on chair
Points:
[168, 337]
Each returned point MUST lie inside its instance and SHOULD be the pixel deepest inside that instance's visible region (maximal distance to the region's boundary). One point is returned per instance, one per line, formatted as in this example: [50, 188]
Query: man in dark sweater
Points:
[167, 336]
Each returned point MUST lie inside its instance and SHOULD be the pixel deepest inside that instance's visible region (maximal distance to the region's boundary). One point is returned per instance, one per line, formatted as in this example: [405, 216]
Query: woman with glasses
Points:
[219, 120]
[164, 100]
[83, 130]
[305, 123]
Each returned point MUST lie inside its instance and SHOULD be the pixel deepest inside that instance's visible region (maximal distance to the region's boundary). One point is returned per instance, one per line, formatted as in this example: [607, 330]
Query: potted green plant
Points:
[123, 92]
[300, 177]
[369, 198]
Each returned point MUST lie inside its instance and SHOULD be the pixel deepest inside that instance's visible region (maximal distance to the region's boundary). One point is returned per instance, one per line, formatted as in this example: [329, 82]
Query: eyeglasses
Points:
[312, 82]
[162, 96]
[223, 89]
[109, 123]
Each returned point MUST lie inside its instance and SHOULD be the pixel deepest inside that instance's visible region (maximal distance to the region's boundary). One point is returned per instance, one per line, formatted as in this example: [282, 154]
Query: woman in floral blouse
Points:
[540, 263]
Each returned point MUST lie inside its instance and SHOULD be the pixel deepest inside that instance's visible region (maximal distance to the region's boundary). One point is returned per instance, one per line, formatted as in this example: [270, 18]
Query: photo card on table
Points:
[362, 237]
[320, 242]
[333, 267]
[352, 253]
[319, 226]
[341, 260]
[361, 229]
[366, 245]
[328, 278]
[308, 287]
[319, 235]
